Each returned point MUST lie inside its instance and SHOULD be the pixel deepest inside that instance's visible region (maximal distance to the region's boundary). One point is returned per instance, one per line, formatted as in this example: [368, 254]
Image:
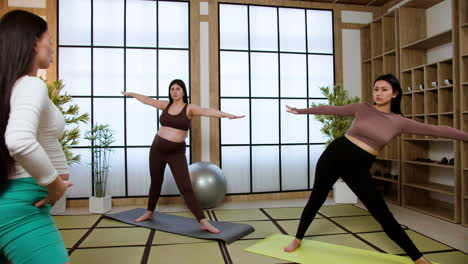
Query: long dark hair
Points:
[181, 84]
[395, 106]
[19, 31]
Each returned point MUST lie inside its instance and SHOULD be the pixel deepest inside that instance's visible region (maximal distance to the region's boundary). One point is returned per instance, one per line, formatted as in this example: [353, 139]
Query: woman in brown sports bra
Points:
[169, 147]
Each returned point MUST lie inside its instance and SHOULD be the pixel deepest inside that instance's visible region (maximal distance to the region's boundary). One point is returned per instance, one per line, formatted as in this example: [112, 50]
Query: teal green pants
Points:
[28, 234]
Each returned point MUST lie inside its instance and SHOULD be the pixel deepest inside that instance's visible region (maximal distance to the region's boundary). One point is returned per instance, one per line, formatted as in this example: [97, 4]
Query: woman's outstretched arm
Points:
[159, 104]
[415, 127]
[195, 110]
[344, 110]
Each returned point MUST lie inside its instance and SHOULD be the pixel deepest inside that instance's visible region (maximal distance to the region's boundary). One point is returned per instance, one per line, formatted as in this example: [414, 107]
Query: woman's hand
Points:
[235, 117]
[55, 190]
[292, 110]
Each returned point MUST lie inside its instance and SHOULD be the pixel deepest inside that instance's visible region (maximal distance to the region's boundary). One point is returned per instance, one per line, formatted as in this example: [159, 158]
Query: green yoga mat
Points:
[322, 253]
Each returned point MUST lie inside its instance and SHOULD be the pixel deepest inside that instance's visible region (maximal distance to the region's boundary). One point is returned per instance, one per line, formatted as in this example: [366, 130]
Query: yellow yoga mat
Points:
[322, 253]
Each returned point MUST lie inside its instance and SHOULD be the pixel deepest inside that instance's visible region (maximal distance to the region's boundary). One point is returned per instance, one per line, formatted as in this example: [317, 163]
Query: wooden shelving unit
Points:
[435, 93]
[463, 60]
[379, 46]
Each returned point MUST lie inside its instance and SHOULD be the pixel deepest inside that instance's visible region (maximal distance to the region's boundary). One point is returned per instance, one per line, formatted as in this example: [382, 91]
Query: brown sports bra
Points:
[179, 121]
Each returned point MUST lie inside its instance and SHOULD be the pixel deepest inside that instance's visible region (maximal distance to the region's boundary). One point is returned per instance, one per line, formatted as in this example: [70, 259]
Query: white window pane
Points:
[264, 74]
[108, 71]
[315, 135]
[294, 168]
[233, 28]
[235, 131]
[265, 168]
[315, 152]
[293, 127]
[321, 73]
[139, 179]
[141, 71]
[75, 70]
[293, 75]
[173, 64]
[84, 105]
[80, 175]
[173, 24]
[169, 186]
[263, 28]
[234, 72]
[292, 29]
[110, 111]
[141, 123]
[141, 23]
[108, 16]
[236, 168]
[265, 121]
[75, 22]
[116, 177]
[319, 31]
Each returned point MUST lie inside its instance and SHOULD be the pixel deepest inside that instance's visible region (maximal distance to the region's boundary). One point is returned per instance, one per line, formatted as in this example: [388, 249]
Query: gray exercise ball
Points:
[208, 182]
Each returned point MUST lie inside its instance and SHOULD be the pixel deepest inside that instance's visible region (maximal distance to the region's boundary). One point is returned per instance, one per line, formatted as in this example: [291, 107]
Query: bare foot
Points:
[293, 246]
[146, 216]
[206, 226]
[422, 260]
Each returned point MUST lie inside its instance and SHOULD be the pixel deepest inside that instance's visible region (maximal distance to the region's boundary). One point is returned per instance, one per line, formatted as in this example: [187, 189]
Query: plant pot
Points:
[100, 205]
[343, 194]
[60, 206]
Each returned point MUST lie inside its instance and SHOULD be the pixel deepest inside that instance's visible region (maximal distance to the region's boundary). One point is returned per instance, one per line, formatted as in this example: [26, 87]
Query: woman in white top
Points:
[33, 169]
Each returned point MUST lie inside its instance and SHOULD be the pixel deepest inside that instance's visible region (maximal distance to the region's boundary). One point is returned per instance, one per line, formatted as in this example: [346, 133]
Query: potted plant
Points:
[101, 137]
[71, 134]
[334, 127]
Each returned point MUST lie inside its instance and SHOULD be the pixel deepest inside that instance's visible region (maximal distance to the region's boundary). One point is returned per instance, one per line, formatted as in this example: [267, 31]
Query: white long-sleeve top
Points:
[32, 133]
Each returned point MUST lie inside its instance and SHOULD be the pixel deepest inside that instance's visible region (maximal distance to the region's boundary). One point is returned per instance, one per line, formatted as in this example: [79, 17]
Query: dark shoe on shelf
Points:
[377, 173]
[395, 177]
[387, 175]
[444, 160]
[452, 161]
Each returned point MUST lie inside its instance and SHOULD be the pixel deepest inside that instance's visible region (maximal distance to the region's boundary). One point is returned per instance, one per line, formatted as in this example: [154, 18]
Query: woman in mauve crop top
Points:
[169, 147]
[352, 156]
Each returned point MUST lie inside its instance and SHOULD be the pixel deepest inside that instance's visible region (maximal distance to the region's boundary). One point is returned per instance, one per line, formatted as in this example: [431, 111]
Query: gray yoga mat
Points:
[230, 232]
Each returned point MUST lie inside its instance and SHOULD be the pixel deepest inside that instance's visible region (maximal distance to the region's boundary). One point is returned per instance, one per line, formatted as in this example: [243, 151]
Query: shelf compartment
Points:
[406, 104]
[431, 42]
[389, 32]
[418, 79]
[389, 190]
[390, 64]
[445, 72]
[431, 102]
[365, 43]
[446, 120]
[438, 205]
[464, 98]
[376, 38]
[377, 67]
[418, 104]
[446, 100]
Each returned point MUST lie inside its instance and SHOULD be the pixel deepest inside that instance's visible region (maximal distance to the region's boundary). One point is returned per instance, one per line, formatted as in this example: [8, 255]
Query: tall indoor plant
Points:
[334, 127]
[101, 137]
[71, 134]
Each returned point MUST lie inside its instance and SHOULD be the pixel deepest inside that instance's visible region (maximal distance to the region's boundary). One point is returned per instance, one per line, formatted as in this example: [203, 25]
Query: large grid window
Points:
[109, 46]
[271, 57]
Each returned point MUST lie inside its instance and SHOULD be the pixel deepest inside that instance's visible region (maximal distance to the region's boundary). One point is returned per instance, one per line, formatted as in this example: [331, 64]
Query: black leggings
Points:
[164, 152]
[342, 158]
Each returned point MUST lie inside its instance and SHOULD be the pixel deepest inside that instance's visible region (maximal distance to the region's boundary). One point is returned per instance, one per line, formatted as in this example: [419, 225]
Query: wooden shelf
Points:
[431, 42]
[431, 164]
[443, 213]
[464, 25]
[422, 3]
[390, 52]
[446, 87]
[385, 179]
[386, 159]
[434, 187]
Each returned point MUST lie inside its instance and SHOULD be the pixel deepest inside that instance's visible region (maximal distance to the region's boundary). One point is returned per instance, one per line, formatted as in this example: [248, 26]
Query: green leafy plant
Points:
[71, 134]
[101, 137]
[335, 126]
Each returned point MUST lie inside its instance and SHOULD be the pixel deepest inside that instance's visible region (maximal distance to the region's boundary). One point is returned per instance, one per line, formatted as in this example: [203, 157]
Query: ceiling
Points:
[353, 2]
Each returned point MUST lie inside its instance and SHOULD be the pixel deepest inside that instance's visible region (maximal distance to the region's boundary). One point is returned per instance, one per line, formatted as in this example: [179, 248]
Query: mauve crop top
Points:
[179, 121]
[376, 128]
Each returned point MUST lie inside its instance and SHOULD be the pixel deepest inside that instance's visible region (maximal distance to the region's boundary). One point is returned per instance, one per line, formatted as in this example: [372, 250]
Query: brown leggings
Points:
[164, 152]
